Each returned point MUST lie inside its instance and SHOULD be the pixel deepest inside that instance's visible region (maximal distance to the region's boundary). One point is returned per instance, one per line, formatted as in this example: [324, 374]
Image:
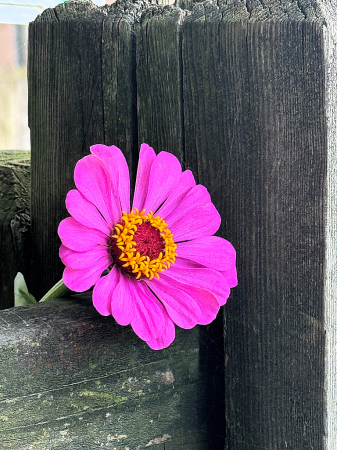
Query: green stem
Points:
[57, 291]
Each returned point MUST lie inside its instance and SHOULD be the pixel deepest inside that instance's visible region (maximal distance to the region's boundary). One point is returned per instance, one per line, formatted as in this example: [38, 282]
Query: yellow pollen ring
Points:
[142, 265]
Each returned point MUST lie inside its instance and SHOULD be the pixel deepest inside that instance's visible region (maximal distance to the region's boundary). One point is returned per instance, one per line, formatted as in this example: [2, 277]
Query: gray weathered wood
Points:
[65, 118]
[72, 379]
[14, 221]
[159, 87]
[257, 103]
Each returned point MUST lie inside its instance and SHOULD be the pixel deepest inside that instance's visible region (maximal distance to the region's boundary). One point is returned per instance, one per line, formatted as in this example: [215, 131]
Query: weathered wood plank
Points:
[66, 117]
[14, 221]
[254, 97]
[159, 86]
[119, 79]
[74, 379]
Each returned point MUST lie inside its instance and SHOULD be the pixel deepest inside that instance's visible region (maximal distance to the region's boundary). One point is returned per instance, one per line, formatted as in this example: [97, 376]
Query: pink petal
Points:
[208, 279]
[92, 179]
[181, 307]
[103, 290]
[187, 264]
[231, 276]
[196, 197]
[122, 302]
[185, 184]
[150, 320]
[146, 158]
[118, 168]
[202, 221]
[166, 339]
[85, 212]
[165, 171]
[207, 302]
[210, 251]
[82, 280]
[78, 237]
[84, 260]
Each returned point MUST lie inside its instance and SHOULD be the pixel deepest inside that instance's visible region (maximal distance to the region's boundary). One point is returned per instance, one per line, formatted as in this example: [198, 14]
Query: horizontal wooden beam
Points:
[71, 378]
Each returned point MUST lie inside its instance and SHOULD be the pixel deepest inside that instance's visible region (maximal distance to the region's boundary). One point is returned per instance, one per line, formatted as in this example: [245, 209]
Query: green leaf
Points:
[21, 295]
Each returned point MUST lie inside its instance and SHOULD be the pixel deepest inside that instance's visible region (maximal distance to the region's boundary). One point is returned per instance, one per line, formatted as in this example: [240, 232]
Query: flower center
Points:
[142, 245]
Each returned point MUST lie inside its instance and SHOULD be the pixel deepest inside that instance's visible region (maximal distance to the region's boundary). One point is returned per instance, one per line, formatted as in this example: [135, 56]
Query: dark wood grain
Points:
[72, 379]
[159, 87]
[255, 121]
[66, 117]
[14, 221]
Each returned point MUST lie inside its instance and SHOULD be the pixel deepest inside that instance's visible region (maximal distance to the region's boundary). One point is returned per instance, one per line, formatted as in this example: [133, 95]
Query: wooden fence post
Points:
[14, 221]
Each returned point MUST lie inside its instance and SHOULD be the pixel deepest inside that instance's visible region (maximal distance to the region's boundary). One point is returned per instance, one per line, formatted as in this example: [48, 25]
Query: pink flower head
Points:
[163, 265]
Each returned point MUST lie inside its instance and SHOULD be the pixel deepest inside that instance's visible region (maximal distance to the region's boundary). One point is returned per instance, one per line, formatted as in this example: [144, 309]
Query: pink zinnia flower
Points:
[163, 265]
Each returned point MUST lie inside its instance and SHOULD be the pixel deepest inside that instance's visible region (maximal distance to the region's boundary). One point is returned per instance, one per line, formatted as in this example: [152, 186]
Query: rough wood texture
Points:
[262, 119]
[72, 379]
[159, 86]
[14, 221]
[243, 93]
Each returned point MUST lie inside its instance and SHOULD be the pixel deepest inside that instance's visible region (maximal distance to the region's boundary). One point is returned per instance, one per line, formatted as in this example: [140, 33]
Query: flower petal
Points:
[183, 264]
[103, 290]
[181, 307]
[204, 297]
[167, 337]
[85, 212]
[164, 173]
[146, 158]
[122, 302]
[207, 302]
[202, 221]
[210, 251]
[202, 278]
[84, 260]
[92, 179]
[80, 280]
[196, 197]
[79, 238]
[118, 168]
[231, 276]
[185, 184]
[150, 320]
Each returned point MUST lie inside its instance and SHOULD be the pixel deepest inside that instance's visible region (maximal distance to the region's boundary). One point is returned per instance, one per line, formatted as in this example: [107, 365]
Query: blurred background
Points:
[15, 16]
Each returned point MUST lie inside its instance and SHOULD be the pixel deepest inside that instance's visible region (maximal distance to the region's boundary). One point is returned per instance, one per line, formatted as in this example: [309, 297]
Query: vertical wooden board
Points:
[159, 101]
[281, 315]
[66, 117]
[203, 96]
[119, 83]
[265, 151]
